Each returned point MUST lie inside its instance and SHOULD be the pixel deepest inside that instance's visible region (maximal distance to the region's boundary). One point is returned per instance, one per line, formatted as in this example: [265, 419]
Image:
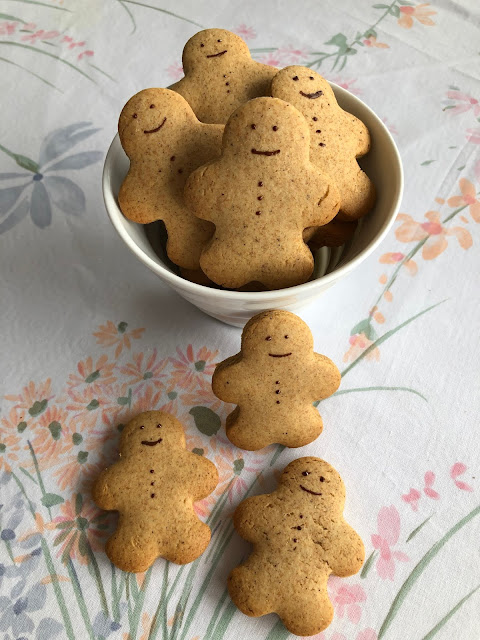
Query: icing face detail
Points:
[149, 443]
[157, 128]
[312, 96]
[215, 55]
[266, 153]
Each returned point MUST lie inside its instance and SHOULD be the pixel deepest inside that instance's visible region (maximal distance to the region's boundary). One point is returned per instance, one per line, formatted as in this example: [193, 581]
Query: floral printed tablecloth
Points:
[90, 336]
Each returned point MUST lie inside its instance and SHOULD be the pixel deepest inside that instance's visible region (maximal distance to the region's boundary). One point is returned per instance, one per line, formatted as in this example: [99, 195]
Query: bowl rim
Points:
[115, 214]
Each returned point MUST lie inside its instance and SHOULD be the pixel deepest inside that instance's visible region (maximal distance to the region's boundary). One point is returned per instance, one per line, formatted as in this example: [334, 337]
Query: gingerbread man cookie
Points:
[165, 143]
[261, 194]
[274, 381]
[300, 538]
[334, 234]
[337, 138]
[153, 487]
[220, 75]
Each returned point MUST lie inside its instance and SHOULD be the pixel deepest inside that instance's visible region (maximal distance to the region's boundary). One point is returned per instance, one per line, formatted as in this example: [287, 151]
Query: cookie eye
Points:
[152, 106]
[268, 338]
[275, 128]
[286, 337]
[322, 479]
[218, 40]
[311, 77]
[253, 126]
[159, 426]
[305, 473]
[134, 115]
[295, 78]
[142, 427]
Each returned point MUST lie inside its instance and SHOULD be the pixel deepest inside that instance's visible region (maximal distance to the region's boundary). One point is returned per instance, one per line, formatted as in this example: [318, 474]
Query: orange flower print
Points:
[102, 403]
[358, 343]
[110, 335]
[10, 446]
[468, 197]
[228, 461]
[81, 528]
[53, 436]
[203, 507]
[202, 395]
[394, 258]
[371, 41]
[77, 472]
[432, 232]
[96, 375]
[421, 12]
[190, 367]
[145, 370]
[34, 398]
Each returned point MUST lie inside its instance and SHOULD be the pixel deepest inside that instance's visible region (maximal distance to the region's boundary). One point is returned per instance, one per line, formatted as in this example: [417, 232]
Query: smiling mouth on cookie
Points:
[312, 96]
[314, 493]
[280, 355]
[157, 128]
[215, 55]
[149, 443]
[265, 153]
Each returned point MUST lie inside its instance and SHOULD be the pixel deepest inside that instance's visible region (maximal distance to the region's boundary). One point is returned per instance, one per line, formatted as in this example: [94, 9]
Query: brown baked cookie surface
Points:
[273, 381]
[220, 75]
[337, 138]
[153, 487]
[165, 143]
[261, 194]
[299, 538]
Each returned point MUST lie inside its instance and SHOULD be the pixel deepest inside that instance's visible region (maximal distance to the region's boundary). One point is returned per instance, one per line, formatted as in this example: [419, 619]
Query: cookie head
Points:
[275, 337]
[152, 431]
[148, 116]
[300, 85]
[315, 480]
[267, 131]
[209, 49]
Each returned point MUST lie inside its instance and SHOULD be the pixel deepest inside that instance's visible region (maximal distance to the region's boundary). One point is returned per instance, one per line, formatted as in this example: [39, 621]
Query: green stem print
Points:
[123, 3]
[50, 567]
[361, 389]
[22, 161]
[418, 529]
[42, 4]
[420, 568]
[19, 66]
[79, 598]
[433, 632]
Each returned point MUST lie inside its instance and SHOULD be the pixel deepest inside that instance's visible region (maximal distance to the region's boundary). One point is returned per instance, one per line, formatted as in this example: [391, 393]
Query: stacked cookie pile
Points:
[245, 164]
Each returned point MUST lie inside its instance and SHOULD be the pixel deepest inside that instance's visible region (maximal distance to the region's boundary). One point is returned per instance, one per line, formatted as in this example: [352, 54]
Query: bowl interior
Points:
[382, 164]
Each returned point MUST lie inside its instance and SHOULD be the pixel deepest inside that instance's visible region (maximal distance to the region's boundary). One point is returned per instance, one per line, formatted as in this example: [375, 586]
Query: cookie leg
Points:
[307, 613]
[251, 590]
[244, 433]
[132, 547]
[187, 540]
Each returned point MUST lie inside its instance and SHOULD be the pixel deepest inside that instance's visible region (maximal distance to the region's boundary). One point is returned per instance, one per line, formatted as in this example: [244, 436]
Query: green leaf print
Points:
[51, 499]
[38, 407]
[365, 327]
[206, 420]
[92, 377]
[55, 429]
[368, 565]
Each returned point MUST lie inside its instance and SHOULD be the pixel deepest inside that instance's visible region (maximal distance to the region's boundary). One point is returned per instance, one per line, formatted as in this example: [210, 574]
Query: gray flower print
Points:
[39, 188]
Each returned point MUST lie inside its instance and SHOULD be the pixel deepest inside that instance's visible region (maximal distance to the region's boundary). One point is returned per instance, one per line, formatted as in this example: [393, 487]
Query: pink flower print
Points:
[67, 39]
[459, 469]
[412, 498]
[348, 84]
[7, 28]
[290, 55]
[190, 367]
[388, 524]
[367, 634]
[30, 26]
[40, 35]
[473, 136]
[346, 601]
[272, 59]
[464, 103]
[429, 481]
[373, 42]
[392, 258]
[247, 33]
[87, 53]
[175, 71]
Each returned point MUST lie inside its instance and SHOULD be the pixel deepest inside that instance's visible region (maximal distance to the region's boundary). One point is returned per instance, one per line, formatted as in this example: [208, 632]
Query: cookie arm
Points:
[225, 377]
[204, 476]
[325, 377]
[107, 487]
[327, 205]
[360, 134]
[347, 552]
[250, 518]
[200, 192]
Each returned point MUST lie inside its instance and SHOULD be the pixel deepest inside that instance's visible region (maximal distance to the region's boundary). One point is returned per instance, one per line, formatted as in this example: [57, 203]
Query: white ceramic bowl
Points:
[382, 164]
